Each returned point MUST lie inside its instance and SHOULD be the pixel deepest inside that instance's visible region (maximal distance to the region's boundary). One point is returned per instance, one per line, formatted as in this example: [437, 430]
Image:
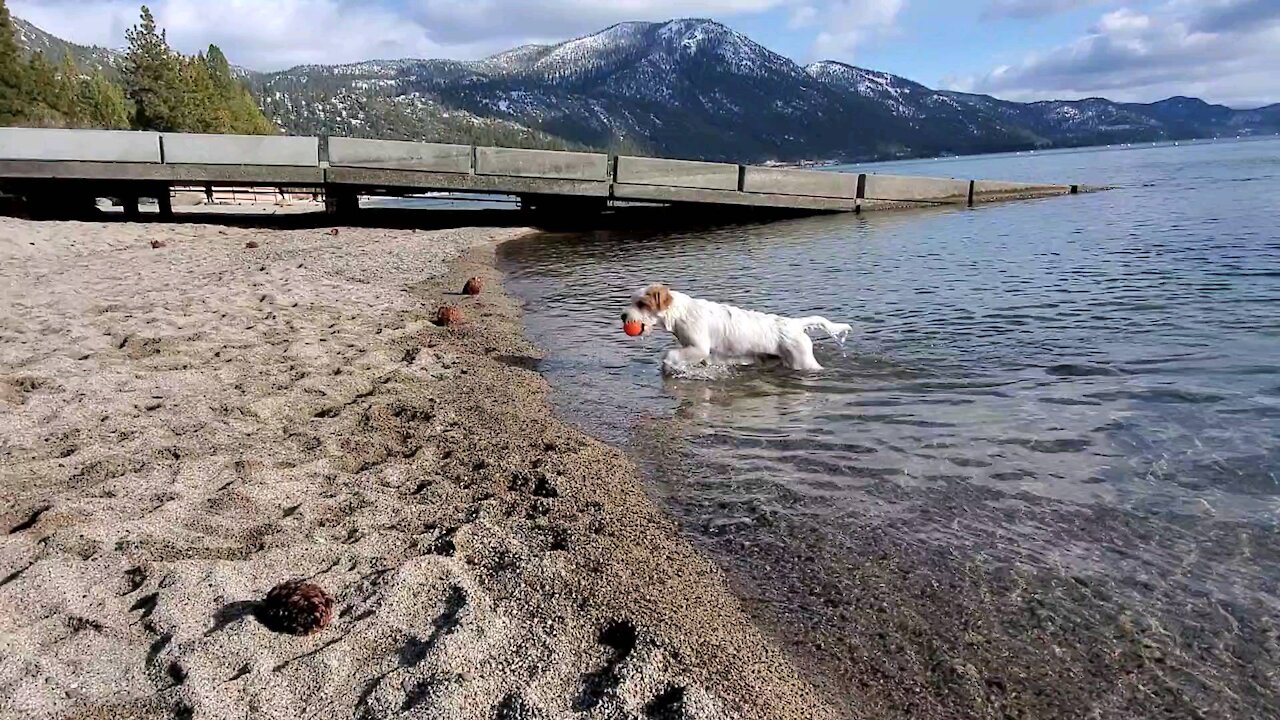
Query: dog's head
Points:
[647, 306]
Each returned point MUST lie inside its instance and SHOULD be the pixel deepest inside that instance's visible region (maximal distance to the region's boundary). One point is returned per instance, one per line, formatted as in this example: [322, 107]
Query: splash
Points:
[706, 371]
[841, 337]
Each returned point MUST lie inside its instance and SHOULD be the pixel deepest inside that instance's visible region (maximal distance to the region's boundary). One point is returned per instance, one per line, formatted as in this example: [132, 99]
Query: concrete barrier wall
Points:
[194, 149]
[677, 173]
[98, 155]
[780, 181]
[702, 196]
[121, 146]
[906, 188]
[397, 155]
[542, 164]
[985, 188]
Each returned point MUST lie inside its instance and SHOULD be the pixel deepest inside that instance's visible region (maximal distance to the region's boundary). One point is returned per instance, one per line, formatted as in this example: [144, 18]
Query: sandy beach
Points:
[183, 427]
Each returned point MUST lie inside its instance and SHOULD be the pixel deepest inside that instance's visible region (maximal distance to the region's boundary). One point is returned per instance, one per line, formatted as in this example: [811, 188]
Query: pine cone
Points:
[296, 607]
[448, 316]
[473, 286]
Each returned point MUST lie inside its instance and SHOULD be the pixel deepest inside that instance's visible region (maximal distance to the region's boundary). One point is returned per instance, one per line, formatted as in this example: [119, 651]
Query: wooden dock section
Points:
[63, 170]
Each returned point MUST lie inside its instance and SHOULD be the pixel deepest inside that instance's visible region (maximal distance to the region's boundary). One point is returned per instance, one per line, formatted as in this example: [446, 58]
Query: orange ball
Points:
[448, 316]
[632, 328]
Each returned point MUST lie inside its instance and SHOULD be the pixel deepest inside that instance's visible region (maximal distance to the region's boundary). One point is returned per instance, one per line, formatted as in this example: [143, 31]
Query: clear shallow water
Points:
[1083, 388]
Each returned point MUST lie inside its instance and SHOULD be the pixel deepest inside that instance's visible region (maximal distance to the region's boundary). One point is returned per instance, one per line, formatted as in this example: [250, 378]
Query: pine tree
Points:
[199, 108]
[237, 104]
[14, 90]
[102, 103]
[219, 69]
[36, 92]
[247, 117]
[153, 79]
[163, 90]
[64, 95]
[42, 94]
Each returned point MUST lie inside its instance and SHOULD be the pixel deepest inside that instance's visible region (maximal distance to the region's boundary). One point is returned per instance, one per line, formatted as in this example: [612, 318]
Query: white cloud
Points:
[1031, 8]
[1228, 15]
[277, 34]
[254, 34]
[281, 33]
[504, 21]
[850, 23]
[802, 16]
[1123, 20]
[1224, 52]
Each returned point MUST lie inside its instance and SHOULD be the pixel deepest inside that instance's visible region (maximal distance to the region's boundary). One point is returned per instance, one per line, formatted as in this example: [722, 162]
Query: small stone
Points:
[333, 232]
[448, 316]
[251, 244]
[296, 607]
[157, 244]
[473, 286]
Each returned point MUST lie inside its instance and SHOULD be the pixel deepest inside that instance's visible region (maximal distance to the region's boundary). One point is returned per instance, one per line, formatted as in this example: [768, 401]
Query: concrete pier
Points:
[50, 168]
[547, 164]
[106, 146]
[908, 188]
[244, 150]
[658, 172]
[399, 155]
[813, 183]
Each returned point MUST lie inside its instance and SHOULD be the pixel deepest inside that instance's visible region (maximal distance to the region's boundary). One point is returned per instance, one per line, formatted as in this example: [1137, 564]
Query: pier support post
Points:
[556, 211]
[82, 205]
[43, 202]
[164, 202]
[563, 204]
[129, 202]
[341, 202]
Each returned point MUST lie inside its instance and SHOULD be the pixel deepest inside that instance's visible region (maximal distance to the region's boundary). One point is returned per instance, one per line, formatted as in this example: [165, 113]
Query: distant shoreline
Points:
[1027, 151]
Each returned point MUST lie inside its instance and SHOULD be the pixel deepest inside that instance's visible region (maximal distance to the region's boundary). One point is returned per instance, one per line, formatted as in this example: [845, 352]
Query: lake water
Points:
[1042, 479]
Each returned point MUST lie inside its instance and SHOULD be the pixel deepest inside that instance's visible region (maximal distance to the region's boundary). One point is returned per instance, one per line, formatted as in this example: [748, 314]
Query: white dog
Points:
[712, 331]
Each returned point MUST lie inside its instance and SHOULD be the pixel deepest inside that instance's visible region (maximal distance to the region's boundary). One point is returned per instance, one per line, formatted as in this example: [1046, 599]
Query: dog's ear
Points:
[658, 297]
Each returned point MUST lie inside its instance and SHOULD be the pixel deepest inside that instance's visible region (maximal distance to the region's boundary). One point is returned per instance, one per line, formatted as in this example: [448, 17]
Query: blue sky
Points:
[933, 41]
[1133, 50]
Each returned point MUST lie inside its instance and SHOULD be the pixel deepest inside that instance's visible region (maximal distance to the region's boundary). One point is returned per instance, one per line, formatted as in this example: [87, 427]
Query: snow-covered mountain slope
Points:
[696, 88]
[36, 40]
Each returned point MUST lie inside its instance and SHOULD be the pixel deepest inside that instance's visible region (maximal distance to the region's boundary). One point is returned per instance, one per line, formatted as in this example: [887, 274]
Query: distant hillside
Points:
[36, 40]
[697, 89]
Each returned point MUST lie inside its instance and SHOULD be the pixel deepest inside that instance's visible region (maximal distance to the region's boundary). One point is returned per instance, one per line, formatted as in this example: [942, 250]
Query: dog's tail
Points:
[837, 331]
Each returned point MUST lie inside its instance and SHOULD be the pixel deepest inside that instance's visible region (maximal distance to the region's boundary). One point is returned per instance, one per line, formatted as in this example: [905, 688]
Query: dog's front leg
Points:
[677, 358]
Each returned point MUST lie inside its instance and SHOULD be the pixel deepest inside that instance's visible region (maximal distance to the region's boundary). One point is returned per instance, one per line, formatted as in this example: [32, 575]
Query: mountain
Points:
[374, 99]
[1097, 121]
[33, 39]
[697, 89]
[923, 109]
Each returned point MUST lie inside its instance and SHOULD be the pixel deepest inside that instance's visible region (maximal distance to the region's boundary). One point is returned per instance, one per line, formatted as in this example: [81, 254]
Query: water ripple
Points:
[1085, 385]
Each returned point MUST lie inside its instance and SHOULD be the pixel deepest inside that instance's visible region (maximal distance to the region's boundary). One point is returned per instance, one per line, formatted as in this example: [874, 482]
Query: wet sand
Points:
[183, 427]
